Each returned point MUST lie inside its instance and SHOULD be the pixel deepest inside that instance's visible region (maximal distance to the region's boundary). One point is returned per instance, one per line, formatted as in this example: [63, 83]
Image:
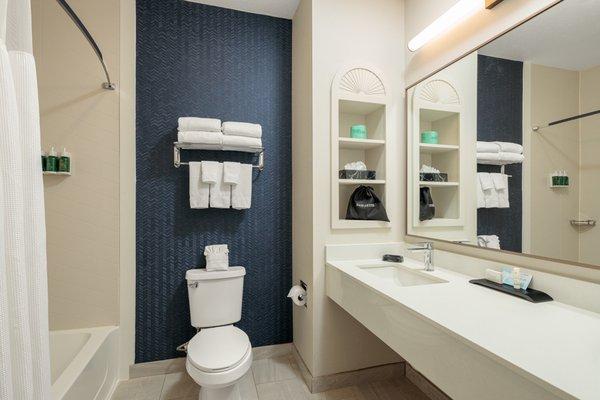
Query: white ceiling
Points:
[566, 36]
[274, 8]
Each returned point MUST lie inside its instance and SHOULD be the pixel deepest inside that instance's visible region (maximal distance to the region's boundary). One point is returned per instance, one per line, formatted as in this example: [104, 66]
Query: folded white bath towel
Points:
[242, 143]
[507, 147]
[501, 187]
[489, 241]
[488, 147]
[231, 173]
[499, 158]
[242, 129]
[212, 138]
[480, 193]
[210, 172]
[199, 124]
[199, 191]
[241, 194]
[220, 192]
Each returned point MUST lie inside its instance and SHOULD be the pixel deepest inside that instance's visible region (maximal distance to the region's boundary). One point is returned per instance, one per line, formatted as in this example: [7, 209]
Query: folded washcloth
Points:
[199, 191]
[242, 129]
[231, 173]
[241, 194]
[212, 138]
[216, 248]
[220, 192]
[210, 172]
[501, 187]
[199, 124]
[489, 241]
[241, 143]
[488, 147]
[507, 147]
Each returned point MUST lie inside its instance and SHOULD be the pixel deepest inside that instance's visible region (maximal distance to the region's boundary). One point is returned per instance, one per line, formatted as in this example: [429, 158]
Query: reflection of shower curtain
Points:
[24, 350]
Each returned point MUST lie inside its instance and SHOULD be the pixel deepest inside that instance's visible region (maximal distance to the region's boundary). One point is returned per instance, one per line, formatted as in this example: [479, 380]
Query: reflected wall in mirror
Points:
[504, 144]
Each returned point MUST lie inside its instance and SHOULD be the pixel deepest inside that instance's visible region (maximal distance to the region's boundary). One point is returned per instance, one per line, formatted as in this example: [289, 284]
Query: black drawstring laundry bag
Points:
[427, 208]
[365, 205]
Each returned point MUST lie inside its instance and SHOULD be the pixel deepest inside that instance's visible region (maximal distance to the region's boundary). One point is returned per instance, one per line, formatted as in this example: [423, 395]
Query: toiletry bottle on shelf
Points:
[52, 161]
[64, 162]
[44, 159]
[566, 183]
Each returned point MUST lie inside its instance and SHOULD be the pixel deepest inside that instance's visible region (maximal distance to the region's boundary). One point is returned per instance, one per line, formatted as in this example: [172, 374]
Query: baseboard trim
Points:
[424, 384]
[321, 384]
[173, 365]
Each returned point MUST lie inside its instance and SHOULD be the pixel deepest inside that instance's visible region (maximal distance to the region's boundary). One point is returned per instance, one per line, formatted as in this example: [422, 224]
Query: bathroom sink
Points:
[401, 276]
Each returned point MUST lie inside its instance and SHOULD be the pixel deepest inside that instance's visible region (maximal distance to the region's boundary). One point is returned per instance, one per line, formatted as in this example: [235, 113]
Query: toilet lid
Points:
[217, 349]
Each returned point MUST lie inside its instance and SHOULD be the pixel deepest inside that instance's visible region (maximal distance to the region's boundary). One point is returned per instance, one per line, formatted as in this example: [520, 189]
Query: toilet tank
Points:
[215, 296]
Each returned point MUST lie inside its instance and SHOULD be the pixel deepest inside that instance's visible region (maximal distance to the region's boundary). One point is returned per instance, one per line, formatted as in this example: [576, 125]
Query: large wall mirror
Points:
[504, 144]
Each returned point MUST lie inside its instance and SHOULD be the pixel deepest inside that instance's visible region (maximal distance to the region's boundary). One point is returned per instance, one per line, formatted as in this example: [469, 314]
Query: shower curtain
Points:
[24, 335]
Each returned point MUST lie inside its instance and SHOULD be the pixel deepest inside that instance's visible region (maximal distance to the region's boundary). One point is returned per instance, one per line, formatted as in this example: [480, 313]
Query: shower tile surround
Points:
[198, 60]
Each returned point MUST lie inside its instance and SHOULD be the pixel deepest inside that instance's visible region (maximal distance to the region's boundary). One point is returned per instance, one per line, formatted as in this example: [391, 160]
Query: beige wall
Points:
[554, 94]
[82, 211]
[302, 177]
[590, 165]
[325, 38]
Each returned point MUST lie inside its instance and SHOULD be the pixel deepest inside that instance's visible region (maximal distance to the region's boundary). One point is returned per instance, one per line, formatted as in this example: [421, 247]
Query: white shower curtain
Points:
[24, 349]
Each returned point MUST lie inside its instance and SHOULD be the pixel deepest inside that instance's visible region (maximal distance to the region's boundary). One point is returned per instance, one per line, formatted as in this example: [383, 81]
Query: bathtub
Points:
[84, 363]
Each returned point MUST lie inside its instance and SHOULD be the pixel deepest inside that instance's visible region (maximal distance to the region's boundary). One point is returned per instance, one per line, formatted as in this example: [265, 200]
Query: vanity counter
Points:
[554, 345]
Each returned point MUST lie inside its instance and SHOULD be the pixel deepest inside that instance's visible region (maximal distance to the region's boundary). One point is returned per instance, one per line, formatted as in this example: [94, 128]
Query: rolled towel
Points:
[488, 147]
[241, 194]
[210, 172]
[507, 147]
[242, 129]
[199, 191]
[206, 137]
[241, 143]
[231, 173]
[199, 124]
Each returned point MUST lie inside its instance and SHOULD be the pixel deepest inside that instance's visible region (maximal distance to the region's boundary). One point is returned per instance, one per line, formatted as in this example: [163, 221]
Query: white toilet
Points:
[220, 354]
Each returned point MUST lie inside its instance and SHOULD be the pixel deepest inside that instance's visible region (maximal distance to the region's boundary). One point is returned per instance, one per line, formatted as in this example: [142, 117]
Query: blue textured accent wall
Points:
[500, 118]
[197, 60]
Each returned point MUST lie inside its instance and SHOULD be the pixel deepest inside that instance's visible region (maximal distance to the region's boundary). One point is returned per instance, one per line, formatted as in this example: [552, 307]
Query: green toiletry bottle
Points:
[64, 162]
[52, 161]
[44, 158]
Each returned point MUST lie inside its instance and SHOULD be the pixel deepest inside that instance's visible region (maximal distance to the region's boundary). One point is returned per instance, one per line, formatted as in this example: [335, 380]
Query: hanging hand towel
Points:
[203, 137]
[241, 143]
[231, 173]
[242, 129]
[501, 187]
[220, 192]
[241, 194]
[488, 147]
[480, 193]
[210, 172]
[199, 191]
[507, 147]
[490, 194]
[199, 124]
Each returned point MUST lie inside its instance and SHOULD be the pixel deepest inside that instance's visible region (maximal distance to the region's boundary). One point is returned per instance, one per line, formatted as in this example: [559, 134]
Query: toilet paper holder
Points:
[302, 297]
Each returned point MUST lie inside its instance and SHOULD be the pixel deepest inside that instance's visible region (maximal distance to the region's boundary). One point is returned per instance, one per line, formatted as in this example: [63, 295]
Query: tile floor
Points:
[275, 378]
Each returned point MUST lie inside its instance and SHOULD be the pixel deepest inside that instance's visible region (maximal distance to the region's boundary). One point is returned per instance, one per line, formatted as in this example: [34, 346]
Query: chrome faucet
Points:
[427, 247]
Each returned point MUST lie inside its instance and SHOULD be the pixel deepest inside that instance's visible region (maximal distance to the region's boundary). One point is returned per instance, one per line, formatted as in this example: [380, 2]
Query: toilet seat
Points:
[219, 349]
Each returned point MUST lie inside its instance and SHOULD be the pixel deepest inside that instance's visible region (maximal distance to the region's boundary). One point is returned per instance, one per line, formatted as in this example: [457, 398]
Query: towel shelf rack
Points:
[178, 146]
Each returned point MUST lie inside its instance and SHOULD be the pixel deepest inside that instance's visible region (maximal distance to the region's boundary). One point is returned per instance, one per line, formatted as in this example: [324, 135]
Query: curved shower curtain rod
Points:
[108, 85]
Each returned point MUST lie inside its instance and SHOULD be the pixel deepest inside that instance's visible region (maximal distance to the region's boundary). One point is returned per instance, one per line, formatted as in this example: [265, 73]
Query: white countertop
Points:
[553, 344]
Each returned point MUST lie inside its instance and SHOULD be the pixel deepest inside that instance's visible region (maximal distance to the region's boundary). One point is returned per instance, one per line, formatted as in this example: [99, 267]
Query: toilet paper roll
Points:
[298, 295]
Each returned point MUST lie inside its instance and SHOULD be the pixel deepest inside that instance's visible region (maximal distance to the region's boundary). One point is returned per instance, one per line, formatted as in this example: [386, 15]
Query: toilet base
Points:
[225, 393]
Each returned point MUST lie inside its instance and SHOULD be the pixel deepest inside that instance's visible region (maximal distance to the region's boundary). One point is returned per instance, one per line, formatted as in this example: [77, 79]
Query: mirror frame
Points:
[486, 253]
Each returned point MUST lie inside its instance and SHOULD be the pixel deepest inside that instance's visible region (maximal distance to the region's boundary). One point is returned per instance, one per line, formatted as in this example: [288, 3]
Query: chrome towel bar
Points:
[178, 146]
